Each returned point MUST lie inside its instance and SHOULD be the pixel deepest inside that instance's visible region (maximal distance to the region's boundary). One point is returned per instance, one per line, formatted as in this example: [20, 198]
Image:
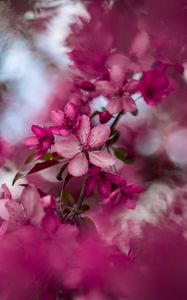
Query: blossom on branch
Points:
[41, 142]
[84, 147]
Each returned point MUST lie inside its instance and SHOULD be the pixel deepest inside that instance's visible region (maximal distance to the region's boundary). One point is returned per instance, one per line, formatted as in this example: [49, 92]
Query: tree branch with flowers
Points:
[58, 236]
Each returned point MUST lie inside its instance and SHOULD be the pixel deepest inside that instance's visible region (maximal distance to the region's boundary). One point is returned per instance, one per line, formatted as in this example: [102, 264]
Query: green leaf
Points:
[47, 156]
[18, 176]
[38, 167]
[29, 158]
[68, 198]
[113, 137]
[84, 207]
[123, 155]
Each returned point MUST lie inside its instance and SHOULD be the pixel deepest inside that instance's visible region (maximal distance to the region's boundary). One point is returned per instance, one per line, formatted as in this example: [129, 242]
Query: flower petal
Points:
[134, 189]
[16, 213]
[38, 131]
[140, 44]
[129, 105]
[105, 88]
[78, 166]
[6, 192]
[30, 199]
[104, 187]
[4, 213]
[116, 178]
[114, 106]
[30, 141]
[99, 135]
[56, 129]
[101, 159]
[83, 130]
[90, 185]
[57, 116]
[129, 203]
[68, 147]
[118, 65]
[104, 116]
[71, 112]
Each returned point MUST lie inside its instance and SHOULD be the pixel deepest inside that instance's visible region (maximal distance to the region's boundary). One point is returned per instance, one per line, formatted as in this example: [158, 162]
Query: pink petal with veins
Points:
[99, 135]
[101, 159]
[68, 147]
[57, 116]
[83, 129]
[114, 106]
[78, 166]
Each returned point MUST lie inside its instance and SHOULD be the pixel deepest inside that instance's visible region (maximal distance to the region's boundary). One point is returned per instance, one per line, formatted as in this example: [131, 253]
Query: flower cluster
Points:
[57, 246]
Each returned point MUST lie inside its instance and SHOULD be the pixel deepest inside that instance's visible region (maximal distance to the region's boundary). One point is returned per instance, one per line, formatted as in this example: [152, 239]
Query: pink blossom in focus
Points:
[81, 148]
[41, 142]
[66, 120]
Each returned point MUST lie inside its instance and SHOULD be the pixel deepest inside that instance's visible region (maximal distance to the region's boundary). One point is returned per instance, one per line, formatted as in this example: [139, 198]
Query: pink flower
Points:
[83, 103]
[15, 213]
[127, 194]
[139, 57]
[118, 89]
[41, 142]
[104, 180]
[66, 120]
[154, 85]
[82, 147]
[104, 116]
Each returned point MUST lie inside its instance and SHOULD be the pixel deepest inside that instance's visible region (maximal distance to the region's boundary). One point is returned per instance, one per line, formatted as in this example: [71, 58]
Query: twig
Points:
[82, 194]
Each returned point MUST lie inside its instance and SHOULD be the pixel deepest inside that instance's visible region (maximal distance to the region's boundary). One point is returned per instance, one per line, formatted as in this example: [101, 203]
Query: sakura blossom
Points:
[118, 89]
[104, 180]
[93, 203]
[83, 147]
[66, 120]
[154, 85]
[41, 142]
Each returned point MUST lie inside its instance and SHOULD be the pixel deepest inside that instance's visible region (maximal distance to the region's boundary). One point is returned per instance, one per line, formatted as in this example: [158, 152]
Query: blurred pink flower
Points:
[66, 120]
[16, 213]
[82, 147]
[118, 90]
[126, 195]
[154, 85]
[41, 142]
[139, 57]
[104, 180]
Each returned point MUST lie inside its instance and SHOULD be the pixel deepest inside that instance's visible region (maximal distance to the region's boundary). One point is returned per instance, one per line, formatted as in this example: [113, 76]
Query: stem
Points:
[116, 120]
[81, 196]
[61, 199]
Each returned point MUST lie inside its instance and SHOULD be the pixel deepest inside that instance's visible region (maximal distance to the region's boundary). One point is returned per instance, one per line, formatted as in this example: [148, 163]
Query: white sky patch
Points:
[27, 73]
[29, 89]
[53, 43]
